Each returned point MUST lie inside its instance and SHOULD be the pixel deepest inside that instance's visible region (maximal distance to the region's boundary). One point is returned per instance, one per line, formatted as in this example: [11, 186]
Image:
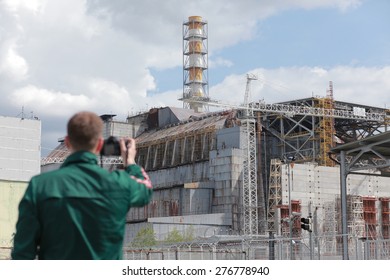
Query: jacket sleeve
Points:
[141, 187]
[27, 228]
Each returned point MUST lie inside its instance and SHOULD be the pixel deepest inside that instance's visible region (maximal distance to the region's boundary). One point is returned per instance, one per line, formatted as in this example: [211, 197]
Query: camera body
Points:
[111, 147]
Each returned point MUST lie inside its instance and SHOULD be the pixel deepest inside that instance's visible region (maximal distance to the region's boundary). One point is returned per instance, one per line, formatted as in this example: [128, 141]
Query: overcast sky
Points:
[121, 56]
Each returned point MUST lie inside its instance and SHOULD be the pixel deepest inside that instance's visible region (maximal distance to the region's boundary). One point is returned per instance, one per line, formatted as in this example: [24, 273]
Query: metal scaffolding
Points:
[274, 195]
[326, 133]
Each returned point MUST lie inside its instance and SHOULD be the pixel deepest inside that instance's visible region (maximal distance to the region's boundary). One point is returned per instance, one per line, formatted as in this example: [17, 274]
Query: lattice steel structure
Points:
[330, 228]
[249, 182]
[249, 170]
[274, 194]
[195, 62]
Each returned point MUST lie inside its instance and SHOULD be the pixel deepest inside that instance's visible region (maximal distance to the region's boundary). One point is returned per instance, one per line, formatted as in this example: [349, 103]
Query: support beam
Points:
[356, 156]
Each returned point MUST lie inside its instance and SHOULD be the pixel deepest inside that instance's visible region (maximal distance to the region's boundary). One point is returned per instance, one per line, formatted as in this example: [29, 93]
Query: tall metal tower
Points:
[249, 198]
[195, 62]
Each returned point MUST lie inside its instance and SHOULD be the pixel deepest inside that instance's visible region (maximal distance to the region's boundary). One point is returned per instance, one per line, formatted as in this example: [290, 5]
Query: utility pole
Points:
[311, 234]
[289, 160]
[290, 212]
[307, 224]
[315, 230]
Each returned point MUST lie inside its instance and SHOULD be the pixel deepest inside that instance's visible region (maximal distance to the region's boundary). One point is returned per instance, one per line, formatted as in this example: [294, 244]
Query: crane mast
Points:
[249, 177]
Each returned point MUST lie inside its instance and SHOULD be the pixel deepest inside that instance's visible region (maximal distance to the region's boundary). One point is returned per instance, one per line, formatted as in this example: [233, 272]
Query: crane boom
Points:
[293, 110]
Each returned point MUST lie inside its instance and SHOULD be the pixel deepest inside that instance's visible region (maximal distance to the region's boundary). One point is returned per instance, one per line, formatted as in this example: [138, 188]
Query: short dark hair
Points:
[84, 130]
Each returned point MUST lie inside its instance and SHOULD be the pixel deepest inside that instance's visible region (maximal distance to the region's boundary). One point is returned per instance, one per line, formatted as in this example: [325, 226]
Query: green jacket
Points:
[78, 211]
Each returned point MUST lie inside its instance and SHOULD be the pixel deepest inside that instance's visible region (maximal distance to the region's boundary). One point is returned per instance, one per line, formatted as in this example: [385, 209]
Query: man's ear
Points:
[67, 142]
[99, 145]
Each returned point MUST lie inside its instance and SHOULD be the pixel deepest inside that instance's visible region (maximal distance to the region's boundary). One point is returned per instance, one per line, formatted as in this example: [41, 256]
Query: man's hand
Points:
[128, 151]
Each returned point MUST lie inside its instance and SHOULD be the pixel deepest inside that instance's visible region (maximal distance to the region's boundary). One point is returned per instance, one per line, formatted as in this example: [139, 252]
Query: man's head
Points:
[85, 132]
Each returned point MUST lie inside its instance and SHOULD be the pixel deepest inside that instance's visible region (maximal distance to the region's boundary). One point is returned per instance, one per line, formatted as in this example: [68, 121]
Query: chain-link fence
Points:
[240, 248]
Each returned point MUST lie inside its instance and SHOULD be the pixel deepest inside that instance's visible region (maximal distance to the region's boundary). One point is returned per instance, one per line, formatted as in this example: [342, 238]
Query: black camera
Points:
[111, 147]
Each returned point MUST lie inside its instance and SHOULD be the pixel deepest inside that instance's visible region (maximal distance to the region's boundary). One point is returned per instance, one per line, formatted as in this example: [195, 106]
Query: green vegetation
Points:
[144, 238]
[174, 236]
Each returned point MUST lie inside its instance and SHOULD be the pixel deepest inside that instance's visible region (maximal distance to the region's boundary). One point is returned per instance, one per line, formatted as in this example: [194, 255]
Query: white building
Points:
[20, 152]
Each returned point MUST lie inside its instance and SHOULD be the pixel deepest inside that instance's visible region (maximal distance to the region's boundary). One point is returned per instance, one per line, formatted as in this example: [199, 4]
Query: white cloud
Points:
[12, 65]
[355, 85]
[309, 4]
[220, 61]
[320, 72]
[156, 22]
[108, 97]
[167, 98]
[49, 103]
[34, 6]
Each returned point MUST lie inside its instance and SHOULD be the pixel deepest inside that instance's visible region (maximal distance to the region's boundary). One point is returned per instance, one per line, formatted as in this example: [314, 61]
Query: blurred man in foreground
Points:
[79, 211]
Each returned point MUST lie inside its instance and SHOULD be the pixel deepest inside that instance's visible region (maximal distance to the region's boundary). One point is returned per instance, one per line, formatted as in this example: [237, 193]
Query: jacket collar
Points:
[80, 157]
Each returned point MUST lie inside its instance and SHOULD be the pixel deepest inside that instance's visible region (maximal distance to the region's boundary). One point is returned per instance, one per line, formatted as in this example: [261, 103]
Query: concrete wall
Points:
[228, 138]
[225, 172]
[118, 129]
[206, 187]
[10, 195]
[320, 185]
[198, 172]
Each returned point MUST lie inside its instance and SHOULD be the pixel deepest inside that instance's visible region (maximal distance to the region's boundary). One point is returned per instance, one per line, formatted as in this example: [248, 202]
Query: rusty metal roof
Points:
[213, 121]
[60, 151]
[196, 123]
